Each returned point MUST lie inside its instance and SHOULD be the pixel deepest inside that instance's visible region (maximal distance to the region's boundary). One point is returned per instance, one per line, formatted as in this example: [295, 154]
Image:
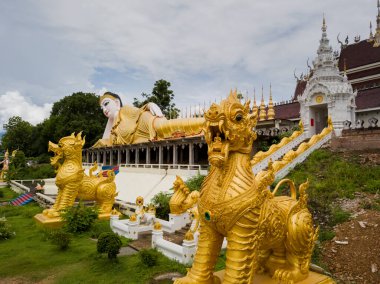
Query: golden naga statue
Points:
[259, 156]
[182, 198]
[265, 234]
[129, 125]
[73, 183]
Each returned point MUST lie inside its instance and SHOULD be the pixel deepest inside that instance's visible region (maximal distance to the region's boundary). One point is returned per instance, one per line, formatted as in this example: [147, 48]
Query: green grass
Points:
[30, 256]
[331, 176]
[7, 194]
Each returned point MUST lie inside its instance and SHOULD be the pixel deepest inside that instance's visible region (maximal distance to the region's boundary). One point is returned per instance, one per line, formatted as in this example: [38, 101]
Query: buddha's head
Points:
[110, 104]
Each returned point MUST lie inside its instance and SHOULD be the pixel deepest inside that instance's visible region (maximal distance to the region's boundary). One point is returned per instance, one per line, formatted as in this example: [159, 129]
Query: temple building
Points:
[344, 85]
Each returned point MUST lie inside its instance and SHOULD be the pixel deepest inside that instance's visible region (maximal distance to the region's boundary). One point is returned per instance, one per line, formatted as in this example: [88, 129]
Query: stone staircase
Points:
[290, 152]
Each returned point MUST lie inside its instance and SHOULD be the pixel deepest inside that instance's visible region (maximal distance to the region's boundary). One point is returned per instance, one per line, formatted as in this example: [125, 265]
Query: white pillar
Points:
[119, 156]
[188, 252]
[191, 153]
[156, 235]
[175, 154]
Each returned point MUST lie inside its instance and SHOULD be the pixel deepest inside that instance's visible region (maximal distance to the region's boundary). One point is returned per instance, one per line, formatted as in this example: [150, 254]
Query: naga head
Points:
[228, 129]
[67, 147]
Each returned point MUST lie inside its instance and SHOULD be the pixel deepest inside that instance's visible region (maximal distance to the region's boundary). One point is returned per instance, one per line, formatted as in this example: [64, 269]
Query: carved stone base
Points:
[314, 278]
[48, 222]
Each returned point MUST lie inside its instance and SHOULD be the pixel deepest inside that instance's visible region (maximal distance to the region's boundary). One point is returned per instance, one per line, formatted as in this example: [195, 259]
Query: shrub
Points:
[60, 238]
[161, 202]
[109, 243]
[79, 218]
[98, 228]
[5, 229]
[1, 194]
[195, 182]
[149, 257]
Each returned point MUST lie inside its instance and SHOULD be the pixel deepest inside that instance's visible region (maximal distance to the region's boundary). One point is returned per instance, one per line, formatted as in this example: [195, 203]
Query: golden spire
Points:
[271, 113]
[255, 109]
[263, 113]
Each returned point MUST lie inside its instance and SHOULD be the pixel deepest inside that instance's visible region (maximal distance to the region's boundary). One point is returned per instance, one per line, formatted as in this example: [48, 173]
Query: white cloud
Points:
[14, 104]
[204, 48]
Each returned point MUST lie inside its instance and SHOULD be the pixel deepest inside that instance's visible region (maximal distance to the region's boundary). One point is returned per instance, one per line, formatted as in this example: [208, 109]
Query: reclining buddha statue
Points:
[130, 125]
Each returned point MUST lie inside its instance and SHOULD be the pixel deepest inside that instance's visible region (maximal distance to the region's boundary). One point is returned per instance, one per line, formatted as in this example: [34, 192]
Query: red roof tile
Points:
[359, 54]
[369, 98]
[287, 111]
[300, 87]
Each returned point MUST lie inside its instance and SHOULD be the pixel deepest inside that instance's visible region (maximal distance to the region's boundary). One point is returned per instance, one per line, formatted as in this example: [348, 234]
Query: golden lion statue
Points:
[73, 183]
[265, 234]
[182, 199]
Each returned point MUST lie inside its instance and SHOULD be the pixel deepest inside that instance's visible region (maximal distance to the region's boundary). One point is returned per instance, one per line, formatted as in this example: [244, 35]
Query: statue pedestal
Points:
[48, 222]
[314, 278]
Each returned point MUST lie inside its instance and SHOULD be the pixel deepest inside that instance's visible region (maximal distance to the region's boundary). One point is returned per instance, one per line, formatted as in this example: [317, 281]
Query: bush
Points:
[79, 218]
[5, 229]
[60, 238]
[195, 182]
[98, 228]
[109, 243]
[161, 202]
[149, 257]
[1, 194]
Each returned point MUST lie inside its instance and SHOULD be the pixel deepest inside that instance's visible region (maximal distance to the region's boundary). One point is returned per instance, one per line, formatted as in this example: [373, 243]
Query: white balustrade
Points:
[299, 159]
[263, 164]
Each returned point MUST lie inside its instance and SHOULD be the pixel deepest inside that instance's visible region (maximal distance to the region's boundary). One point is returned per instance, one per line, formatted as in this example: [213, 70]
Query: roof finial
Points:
[370, 32]
[324, 27]
[255, 109]
[263, 113]
[271, 113]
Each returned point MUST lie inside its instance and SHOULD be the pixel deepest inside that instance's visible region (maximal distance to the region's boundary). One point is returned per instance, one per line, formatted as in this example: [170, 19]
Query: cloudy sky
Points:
[50, 49]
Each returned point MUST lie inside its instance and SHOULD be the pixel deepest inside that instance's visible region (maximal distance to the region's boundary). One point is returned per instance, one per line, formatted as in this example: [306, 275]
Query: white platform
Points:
[134, 182]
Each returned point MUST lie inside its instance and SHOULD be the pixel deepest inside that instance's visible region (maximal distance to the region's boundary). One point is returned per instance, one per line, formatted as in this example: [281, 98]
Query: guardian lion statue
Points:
[265, 234]
[73, 183]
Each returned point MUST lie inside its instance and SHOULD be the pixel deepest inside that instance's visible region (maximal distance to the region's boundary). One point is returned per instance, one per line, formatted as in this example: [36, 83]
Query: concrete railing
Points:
[263, 164]
[17, 186]
[183, 254]
[300, 158]
[166, 166]
[91, 164]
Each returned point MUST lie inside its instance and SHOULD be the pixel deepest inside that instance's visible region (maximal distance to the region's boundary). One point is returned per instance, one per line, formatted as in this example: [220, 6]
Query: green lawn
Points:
[30, 256]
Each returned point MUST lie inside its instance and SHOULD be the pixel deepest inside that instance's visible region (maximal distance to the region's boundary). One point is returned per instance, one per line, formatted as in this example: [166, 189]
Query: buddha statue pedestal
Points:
[314, 278]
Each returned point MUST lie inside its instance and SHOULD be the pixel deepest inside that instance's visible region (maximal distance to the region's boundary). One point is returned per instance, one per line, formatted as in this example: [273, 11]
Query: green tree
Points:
[75, 113]
[18, 135]
[162, 96]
